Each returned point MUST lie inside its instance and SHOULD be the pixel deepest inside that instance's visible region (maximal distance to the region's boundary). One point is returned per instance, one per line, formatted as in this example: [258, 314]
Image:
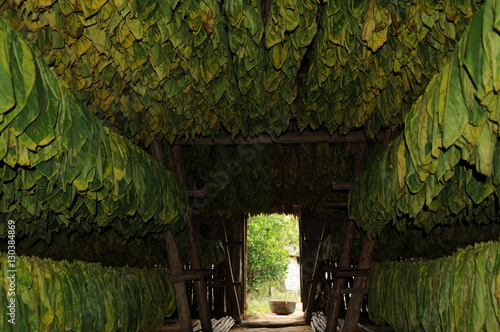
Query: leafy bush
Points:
[267, 256]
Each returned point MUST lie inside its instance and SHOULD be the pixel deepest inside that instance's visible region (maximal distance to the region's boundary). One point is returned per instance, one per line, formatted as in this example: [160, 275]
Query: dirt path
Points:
[273, 323]
[276, 323]
[265, 323]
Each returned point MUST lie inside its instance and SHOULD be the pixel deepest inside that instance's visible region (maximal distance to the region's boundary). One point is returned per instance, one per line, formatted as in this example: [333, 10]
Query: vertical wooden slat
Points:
[303, 277]
[174, 261]
[354, 308]
[316, 274]
[309, 233]
[338, 302]
[233, 300]
[245, 265]
[220, 292]
[367, 248]
[200, 287]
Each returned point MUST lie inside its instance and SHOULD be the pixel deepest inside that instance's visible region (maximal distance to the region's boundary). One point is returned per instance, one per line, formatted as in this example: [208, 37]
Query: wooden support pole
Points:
[315, 275]
[354, 308]
[365, 258]
[200, 286]
[231, 285]
[174, 261]
[333, 317]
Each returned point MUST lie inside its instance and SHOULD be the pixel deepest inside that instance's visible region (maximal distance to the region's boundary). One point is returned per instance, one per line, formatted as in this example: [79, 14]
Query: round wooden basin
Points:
[282, 307]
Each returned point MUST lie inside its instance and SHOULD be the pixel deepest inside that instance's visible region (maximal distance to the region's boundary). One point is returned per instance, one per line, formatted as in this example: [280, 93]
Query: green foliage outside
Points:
[267, 256]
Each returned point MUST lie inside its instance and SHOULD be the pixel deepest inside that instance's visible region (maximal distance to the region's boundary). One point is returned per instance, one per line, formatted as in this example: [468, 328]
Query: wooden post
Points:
[354, 309]
[220, 292]
[235, 307]
[333, 317]
[367, 248]
[174, 260]
[315, 275]
[200, 286]
[244, 276]
[311, 225]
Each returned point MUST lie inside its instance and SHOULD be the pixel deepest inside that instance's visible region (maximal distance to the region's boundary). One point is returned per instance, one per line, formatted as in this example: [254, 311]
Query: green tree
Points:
[267, 256]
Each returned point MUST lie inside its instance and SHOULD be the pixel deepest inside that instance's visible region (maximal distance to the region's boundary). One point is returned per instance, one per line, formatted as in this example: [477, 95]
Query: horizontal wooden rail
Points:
[223, 284]
[342, 186]
[335, 204]
[347, 273]
[354, 290]
[196, 193]
[191, 275]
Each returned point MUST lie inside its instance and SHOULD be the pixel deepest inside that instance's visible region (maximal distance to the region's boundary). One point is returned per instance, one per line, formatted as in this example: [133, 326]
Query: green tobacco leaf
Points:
[455, 113]
[94, 5]
[474, 52]
[23, 78]
[72, 25]
[135, 27]
[7, 96]
[42, 130]
[376, 26]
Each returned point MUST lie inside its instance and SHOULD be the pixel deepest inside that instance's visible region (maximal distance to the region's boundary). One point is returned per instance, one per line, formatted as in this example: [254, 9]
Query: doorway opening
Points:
[273, 256]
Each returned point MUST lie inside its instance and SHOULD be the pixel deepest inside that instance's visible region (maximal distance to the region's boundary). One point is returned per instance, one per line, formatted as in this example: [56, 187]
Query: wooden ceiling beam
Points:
[338, 205]
[290, 138]
[341, 186]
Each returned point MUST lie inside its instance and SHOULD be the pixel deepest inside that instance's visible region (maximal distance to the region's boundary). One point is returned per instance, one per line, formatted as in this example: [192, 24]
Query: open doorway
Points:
[273, 255]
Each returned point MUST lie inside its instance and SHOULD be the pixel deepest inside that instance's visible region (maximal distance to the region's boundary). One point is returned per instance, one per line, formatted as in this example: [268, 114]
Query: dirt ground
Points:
[266, 323]
[275, 323]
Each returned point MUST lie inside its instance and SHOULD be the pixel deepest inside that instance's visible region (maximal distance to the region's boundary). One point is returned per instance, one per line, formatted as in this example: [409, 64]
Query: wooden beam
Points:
[231, 283]
[200, 286]
[174, 261]
[333, 317]
[354, 308]
[346, 273]
[341, 186]
[290, 138]
[365, 259]
[354, 291]
[224, 284]
[191, 275]
[315, 275]
[339, 205]
[179, 165]
[196, 193]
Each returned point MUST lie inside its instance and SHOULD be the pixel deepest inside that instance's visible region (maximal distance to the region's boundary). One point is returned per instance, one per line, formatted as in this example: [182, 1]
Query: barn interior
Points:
[140, 134]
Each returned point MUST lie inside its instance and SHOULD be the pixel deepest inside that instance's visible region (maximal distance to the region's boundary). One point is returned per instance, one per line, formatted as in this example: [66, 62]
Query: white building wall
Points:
[292, 282]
